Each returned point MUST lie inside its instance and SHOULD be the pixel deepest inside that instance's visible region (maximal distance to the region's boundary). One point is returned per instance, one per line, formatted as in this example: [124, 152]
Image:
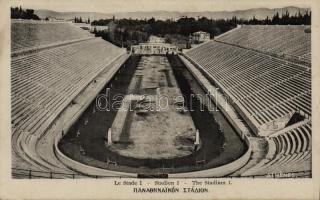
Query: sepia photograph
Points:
[155, 93]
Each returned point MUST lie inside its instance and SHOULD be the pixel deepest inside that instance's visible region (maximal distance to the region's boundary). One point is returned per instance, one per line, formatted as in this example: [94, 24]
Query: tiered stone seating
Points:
[51, 64]
[267, 87]
[44, 82]
[26, 34]
[290, 40]
[292, 151]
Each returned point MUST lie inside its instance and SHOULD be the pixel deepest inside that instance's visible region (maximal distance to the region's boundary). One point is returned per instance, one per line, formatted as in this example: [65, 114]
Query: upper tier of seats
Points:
[45, 82]
[27, 34]
[264, 87]
[289, 40]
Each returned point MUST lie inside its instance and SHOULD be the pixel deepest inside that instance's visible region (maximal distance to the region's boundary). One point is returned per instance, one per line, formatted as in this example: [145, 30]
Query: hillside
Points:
[259, 13]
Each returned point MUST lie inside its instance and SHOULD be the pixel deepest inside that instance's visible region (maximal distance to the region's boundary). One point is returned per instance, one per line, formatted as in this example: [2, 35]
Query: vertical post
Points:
[30, 175]
[109, 137]
[107, 92]
[197, 142]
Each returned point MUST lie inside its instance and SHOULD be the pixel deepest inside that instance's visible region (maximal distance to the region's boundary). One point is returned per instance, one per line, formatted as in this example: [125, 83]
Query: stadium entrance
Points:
[154, 46]
[154, 49]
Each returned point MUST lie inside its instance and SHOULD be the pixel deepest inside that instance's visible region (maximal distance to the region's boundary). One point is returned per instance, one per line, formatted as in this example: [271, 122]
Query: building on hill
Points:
[200, 36]
[84, 26]
[99, 28]
[54, 19]
[110, 27]
[155, 39]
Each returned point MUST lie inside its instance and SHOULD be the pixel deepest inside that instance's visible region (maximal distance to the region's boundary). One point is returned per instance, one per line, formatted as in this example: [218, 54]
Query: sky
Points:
[111, 6]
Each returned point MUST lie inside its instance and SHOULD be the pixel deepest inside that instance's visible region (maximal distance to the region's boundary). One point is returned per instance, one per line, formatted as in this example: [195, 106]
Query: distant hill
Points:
[259, 13]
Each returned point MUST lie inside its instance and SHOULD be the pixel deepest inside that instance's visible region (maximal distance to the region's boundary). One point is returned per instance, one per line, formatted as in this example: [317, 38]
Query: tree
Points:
[306, 18]
[267, 21]
[19, 13]
[134, 31]
[276, 19]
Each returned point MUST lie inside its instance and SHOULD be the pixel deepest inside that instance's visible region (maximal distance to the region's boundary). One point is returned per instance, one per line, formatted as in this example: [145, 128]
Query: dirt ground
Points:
[158, 128]
[90, 146]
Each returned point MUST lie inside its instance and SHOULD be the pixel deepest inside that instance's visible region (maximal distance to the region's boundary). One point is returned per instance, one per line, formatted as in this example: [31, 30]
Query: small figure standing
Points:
[78, 133]
[82, 151]
[197, 142]
[223, 146]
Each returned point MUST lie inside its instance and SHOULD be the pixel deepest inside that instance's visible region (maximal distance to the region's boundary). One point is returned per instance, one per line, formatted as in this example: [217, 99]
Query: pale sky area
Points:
[110, 6]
